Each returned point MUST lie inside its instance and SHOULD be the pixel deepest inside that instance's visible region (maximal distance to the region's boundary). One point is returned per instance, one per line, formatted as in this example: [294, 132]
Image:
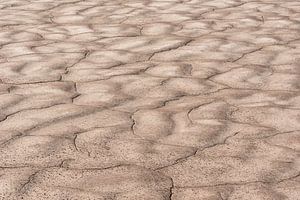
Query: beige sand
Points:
[149, 99]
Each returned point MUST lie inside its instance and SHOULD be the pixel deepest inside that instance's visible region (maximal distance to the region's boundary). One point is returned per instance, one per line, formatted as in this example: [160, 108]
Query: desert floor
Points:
[149, 99]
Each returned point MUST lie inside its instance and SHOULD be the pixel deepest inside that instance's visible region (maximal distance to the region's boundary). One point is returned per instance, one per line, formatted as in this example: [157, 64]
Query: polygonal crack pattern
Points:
[150, 99]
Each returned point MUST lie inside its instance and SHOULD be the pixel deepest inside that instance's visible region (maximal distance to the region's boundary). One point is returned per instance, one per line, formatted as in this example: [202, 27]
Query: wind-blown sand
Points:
[149, 99]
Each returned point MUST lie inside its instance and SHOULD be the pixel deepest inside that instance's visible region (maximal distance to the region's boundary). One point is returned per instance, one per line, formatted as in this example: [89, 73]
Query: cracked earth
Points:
[149, 99]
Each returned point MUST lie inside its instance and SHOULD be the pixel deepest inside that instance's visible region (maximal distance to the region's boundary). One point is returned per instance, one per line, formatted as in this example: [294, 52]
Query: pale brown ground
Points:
[150, 99]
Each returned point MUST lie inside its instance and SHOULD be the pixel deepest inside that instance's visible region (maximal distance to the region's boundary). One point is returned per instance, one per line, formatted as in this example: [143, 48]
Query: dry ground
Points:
[149, 99]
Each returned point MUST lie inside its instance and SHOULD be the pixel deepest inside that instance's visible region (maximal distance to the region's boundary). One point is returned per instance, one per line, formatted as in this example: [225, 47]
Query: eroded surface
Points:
[150, 99]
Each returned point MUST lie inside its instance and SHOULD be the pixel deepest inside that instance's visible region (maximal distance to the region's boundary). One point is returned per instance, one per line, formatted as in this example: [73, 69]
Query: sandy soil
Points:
[149, 99]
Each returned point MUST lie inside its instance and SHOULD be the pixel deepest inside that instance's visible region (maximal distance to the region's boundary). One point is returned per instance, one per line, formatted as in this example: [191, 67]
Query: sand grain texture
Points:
[150, 100]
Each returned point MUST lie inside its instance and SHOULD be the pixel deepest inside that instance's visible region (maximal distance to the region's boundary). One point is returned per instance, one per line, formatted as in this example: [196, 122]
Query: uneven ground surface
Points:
[150, 99]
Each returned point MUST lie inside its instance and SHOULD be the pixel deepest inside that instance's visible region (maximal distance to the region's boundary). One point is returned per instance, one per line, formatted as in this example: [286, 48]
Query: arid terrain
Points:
[149, 99]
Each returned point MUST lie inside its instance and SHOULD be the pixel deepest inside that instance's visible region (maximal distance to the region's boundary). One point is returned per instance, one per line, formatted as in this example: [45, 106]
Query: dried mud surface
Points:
[150, 99]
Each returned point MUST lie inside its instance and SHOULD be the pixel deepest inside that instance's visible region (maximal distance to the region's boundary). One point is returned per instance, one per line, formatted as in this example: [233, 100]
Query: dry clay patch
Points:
[149, 99]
